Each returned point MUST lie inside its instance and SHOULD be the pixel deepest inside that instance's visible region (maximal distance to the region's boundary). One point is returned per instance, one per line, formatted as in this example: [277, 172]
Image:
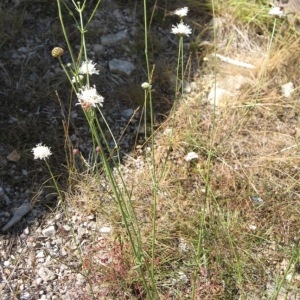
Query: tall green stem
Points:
[153, 171]
[201, 231]
[64, 32]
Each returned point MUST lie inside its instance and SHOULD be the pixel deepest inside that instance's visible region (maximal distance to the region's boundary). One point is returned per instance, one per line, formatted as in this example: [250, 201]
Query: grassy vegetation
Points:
[224, 225]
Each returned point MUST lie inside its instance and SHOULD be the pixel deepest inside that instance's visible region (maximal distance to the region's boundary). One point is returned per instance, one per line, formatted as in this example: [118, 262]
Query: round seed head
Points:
[57, 52]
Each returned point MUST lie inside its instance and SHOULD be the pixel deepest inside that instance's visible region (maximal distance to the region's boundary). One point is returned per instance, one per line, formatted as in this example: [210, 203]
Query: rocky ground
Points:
[45, 253]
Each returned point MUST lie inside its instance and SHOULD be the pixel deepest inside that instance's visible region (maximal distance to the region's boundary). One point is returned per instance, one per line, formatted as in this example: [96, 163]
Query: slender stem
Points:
[182, 73]
[83, 43]
[178, 65]
[146, 39]
[64, 32]
[116, 147]
[153, 171]
[179, 60]
[201, 230]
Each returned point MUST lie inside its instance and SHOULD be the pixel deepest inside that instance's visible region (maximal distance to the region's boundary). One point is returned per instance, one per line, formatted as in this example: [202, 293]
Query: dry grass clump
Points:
[284, 61]
[253, 13]
[242, 193]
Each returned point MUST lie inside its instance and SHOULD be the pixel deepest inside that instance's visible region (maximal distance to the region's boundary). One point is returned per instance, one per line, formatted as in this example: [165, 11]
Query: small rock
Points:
[19, 213]
[4, 197]
[105, 229]
[46, 274]
[40, 254]
[81, 232]
[121, 66]
[92, 225]
[287, 89]
[49, 231]
[66, 227]
[58, 217]
[115, 39]
[98, 49]
[127, 113]
[194, 86]
[80, 278]
[33, 77]
[6, 263]
[256, 199]
[252, 227]
[234, 82]
[23, 50]
[25, 296]
[289, 277]
[216, 95]
[168, 131]
[187, 89]
[63, 252]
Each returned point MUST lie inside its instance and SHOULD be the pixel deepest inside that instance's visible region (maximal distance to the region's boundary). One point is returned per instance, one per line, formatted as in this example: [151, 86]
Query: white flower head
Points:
[88, 97]
[190, 156]
[181, 12]
[88, 67]
[276, 11]
[181, 29]
[146, 85]
[77, 78]
[41, 152]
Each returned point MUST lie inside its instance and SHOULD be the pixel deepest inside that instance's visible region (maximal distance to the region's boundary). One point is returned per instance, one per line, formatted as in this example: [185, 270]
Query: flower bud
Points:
[57, 52]
[98, 149]
[75, 151]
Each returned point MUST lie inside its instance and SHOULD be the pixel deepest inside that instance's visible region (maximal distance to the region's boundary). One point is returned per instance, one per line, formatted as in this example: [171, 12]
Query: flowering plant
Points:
[276, 11]
[190, 156]
[145, 85]
[41, 152]
[181, 29]
[88, 97]
[181, 12]
[88, 67]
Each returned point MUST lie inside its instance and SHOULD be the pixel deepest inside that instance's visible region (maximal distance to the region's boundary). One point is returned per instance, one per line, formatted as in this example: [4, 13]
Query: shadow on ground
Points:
[32, 112]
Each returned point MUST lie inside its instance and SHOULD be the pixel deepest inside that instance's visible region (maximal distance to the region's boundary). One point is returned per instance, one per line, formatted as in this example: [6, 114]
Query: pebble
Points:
[287, 89]
[18, 215]
[81, 232]
[46, 274]
[121, 67]
[6, 263]
[66, 227]
[40, 254]
[115, 39]
[127, 113]
[25, 296]
[98, 49]
[217, 96]
[105, 229]
[22, 50]
[49, 231]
